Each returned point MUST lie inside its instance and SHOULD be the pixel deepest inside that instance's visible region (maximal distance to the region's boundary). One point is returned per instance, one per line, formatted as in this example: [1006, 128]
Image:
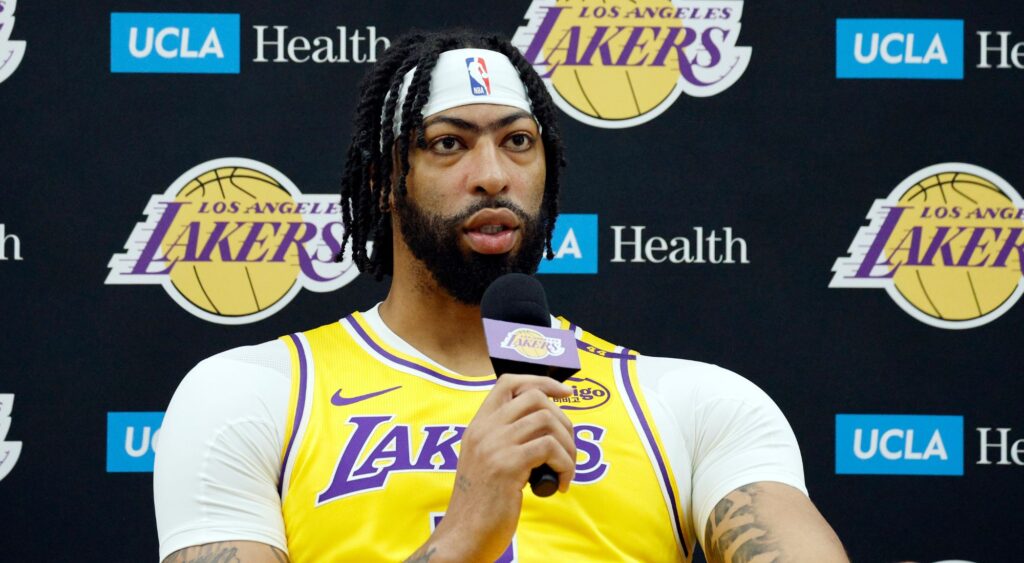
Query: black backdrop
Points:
[790, 158]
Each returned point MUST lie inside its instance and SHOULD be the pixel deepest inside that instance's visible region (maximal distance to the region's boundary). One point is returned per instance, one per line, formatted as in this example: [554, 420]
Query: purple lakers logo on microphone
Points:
[479, 79]
[376, 449]
[531, 344]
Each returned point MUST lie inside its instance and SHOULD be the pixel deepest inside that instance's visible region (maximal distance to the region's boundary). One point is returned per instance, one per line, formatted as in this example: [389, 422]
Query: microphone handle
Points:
[543, 479]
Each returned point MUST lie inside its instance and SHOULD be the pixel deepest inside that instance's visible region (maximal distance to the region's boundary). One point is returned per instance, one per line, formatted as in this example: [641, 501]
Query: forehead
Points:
[482, 116]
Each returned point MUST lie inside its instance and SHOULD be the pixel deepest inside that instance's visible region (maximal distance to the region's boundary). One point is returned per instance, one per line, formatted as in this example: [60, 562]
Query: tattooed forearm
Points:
[278, 555]
[205, 554]
[229, 552]
[736, 535]
[422, 555]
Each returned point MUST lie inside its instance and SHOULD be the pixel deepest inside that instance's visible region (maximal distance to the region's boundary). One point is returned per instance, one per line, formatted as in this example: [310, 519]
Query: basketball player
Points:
[386, 436]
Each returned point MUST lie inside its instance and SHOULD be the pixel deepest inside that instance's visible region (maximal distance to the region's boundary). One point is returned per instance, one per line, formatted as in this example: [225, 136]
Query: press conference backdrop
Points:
[824, 198]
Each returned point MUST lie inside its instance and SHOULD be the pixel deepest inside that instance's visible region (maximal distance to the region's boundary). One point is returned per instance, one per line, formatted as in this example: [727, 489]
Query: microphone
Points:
[517, 322]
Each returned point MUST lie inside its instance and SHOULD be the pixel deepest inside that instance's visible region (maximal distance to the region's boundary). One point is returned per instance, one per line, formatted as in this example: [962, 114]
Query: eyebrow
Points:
[473, 127]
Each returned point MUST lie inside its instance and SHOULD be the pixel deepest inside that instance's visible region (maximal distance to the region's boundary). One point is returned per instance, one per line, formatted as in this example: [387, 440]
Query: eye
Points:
[519, 142]
[446, 145]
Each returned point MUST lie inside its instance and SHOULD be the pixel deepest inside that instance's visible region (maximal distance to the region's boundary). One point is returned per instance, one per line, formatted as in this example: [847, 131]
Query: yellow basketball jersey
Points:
[373, 440]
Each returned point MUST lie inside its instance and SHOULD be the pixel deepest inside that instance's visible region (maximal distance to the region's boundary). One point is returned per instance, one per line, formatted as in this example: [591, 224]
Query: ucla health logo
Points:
[620, 63]
[574, 242]
[11, 52]
[9, 451]
[893, 48]
[946, 245]
[175, 43]
[899, 444]
[232, 241]
[132, 441]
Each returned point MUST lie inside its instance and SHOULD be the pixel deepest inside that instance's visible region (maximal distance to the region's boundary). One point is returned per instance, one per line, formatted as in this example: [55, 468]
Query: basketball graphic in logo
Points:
[232, 241]
[968, 289]
[232, 279]
[620, 63]
[947, 246]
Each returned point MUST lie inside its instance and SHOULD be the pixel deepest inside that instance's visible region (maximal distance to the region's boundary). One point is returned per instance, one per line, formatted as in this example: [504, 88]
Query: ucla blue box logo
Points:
[899, 444]
[169, 43]
[131, 439]
[929, 49]
[575, 244]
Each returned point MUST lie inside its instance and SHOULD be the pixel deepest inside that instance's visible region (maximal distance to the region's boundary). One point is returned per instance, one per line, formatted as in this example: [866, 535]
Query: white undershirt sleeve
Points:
[732, 431]
[218, 457]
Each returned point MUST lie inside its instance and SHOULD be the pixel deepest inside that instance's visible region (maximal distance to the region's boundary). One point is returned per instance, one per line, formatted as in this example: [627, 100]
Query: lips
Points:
[492, 231]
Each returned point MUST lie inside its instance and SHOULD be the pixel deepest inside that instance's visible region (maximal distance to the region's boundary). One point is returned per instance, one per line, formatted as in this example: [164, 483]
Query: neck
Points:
[425, 316]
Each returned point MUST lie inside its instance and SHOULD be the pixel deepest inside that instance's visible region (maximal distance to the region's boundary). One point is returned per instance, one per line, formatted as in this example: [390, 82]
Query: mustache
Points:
[468, 212]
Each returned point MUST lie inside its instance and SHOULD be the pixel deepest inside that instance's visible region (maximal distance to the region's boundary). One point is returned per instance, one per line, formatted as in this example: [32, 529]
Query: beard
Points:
[434, 241]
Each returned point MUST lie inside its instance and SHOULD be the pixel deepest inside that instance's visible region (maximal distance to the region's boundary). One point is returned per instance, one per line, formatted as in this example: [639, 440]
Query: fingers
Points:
[547, 449]
[542, 423]
[510, 386]
[531, 401]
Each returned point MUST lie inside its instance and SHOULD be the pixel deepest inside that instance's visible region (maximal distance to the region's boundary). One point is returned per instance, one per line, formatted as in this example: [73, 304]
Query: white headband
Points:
[462, 77]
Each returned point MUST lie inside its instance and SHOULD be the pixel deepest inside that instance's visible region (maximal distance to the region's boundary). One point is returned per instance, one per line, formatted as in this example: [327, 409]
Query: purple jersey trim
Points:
[411, 365]
[585, 347]
[624, 368]
[299, 407]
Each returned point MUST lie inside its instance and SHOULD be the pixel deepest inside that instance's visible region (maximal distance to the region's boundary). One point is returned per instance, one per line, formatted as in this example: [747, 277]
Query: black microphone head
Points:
[516, 298]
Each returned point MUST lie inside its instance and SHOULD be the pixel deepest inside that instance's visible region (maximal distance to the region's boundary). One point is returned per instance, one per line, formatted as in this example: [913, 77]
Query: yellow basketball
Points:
[955, 293]
[613, 92]
[224, 287]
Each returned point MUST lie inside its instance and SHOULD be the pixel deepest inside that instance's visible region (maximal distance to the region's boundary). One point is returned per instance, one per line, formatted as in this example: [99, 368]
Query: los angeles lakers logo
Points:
[532, 344]
[947, 245]
[620, 63]
[233, 241]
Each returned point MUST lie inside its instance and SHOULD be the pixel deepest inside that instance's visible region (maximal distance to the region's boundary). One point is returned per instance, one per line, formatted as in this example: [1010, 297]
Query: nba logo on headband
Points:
[479, 79]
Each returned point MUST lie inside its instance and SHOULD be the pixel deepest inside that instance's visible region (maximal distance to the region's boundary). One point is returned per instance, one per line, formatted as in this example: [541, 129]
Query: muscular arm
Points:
[228, 552]
[769, 522]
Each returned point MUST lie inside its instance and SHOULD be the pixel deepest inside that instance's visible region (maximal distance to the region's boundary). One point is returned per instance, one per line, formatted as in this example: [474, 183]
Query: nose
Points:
[488, 174]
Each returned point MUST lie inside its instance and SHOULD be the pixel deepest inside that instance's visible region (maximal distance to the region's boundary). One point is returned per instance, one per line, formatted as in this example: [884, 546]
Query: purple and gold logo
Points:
[620, 63]
[531, 344]
[586, 394]
[947, 245]
[377, 448]
[232, 241]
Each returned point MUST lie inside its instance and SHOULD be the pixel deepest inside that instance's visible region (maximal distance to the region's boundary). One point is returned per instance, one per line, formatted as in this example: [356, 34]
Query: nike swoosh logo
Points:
[339, 401]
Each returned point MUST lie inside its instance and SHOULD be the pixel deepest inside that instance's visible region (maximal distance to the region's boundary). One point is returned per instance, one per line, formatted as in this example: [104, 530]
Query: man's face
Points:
[473, 210]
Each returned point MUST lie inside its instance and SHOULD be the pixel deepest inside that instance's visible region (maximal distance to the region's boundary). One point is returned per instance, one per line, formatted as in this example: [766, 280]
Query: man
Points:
[386, 435]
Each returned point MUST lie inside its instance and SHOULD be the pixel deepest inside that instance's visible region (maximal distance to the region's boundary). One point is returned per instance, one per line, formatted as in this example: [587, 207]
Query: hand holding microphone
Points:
[518, 434]
[519, 340]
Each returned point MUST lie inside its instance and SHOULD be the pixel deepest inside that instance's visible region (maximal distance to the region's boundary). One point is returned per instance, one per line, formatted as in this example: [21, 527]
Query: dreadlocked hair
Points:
[366, 184]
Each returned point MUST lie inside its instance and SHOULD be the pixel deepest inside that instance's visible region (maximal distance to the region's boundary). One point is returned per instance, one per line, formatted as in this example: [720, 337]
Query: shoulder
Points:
[251, 382]
[701, 383]
[269, 359]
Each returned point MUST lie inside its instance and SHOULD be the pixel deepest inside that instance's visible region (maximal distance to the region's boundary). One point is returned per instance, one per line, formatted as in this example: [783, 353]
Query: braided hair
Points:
[366, 185]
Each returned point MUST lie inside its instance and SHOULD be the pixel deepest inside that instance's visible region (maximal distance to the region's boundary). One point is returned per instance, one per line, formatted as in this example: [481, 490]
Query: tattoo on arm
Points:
[422, 555]
[212, 553]
[462, 483]
[227, 552]
[735, 534]
[278, 555]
